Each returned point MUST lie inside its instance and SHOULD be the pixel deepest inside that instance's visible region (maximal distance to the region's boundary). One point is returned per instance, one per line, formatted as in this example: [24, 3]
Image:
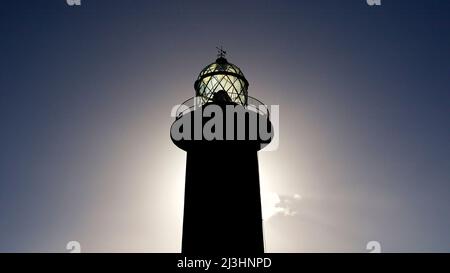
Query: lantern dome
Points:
[222, 76]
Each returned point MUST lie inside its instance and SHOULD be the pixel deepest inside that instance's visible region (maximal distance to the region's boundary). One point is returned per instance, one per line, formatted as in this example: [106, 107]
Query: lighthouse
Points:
[221, 129]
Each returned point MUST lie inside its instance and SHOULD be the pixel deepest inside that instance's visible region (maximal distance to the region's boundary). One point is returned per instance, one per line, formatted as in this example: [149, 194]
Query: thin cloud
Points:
[275, 204]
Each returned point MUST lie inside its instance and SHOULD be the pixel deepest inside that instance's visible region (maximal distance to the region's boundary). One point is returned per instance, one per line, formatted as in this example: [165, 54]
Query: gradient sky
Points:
[86, 94]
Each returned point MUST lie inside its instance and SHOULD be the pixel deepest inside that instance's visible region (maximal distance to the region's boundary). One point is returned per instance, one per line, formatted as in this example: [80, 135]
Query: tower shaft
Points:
[222, 211]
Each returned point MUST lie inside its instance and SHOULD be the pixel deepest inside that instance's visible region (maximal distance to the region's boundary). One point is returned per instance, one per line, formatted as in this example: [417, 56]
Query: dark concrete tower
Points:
[222, 129]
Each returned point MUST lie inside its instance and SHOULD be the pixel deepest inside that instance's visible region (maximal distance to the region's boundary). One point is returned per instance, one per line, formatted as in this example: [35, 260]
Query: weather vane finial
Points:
[221, 53]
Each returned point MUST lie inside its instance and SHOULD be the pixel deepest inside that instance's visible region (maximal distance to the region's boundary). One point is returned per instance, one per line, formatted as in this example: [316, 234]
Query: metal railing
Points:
[193, 103]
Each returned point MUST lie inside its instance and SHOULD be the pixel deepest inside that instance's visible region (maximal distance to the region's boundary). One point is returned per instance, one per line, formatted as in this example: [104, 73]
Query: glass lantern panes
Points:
[222, 75]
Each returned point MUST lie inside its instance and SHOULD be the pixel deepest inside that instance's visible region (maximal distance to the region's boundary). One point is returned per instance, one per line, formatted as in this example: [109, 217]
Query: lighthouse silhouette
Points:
[222, 129]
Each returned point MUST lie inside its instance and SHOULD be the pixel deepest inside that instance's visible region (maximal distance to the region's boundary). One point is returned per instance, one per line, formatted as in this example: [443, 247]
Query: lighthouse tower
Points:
[222, 129]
